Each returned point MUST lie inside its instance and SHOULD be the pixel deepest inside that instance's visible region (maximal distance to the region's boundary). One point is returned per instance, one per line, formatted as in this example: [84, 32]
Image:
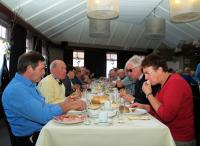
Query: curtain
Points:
[5, 78]
[18, 46]
[68, 56]
[122, 58]
[95, 62]
[68, 53]
[37, 44]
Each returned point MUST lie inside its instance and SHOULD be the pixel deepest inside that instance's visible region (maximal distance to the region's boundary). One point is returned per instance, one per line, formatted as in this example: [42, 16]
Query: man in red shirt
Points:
[173, 103]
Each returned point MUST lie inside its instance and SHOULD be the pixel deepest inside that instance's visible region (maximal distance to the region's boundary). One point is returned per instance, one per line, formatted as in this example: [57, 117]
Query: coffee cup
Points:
[107, 105]
[103, 116]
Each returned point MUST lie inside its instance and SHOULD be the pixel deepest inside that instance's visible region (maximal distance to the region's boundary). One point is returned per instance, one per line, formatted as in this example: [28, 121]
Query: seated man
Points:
[67, 81]
[128, 83]
[25, 109]
[134, 70]
[51, 87]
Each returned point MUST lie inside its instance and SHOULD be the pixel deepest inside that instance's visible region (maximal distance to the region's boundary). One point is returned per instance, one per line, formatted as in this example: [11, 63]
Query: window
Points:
[3, 32]
[4, 48]
[78, 58]
[111, 62]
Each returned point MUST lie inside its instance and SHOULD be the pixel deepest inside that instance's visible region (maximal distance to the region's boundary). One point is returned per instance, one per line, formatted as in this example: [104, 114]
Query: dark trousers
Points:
[25, 140]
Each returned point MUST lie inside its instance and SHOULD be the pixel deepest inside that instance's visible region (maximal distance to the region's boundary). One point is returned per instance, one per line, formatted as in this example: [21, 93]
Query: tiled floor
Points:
[4, 136]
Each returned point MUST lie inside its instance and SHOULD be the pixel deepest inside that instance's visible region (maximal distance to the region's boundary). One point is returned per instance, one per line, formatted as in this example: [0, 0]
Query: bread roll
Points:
[102, 99]
[95, 100]
[123, 109]
[99, 99]
[94, 106]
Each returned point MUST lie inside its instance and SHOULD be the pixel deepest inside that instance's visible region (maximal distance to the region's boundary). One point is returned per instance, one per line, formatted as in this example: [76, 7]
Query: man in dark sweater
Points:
[134, 70]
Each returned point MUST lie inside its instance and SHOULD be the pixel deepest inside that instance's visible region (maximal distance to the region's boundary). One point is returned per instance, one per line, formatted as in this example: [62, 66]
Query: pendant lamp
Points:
[99, 28]
[154, 28]
[102, 9]
[184, 10]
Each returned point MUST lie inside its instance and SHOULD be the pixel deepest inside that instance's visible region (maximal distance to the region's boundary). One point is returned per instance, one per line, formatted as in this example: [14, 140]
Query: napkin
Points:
[138, 117]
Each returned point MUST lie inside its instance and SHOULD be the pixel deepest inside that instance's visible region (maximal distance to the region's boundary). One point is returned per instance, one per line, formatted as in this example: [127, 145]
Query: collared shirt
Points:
[129, 85]
[25, 108]
[52, 90]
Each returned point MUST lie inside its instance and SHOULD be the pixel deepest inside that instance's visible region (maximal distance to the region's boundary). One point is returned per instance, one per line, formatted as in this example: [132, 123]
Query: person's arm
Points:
[119, 84]
[72, 104]
[142, 106]
[171, 101]
[32, 106]
[126, 97]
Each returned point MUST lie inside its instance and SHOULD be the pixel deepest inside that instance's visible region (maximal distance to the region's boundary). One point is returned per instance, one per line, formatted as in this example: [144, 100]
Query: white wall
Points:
[176, 64]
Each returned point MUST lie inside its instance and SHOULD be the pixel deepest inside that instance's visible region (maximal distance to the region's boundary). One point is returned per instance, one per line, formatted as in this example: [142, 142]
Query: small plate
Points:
[94, 106]
[76, 112]
[69, 119]
[136, 111]
[98, 122]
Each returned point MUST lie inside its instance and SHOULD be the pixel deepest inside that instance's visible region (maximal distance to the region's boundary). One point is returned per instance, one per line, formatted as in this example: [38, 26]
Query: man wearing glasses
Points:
[134, 70]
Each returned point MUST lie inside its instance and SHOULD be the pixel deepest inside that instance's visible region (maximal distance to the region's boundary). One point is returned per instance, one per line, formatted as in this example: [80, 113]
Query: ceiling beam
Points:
[62, 22]
[43, 10]
[82, 24]
[12, 16]
[112, 34]
[59, 14]
[127, 35]
[66, 28]
[22, 4]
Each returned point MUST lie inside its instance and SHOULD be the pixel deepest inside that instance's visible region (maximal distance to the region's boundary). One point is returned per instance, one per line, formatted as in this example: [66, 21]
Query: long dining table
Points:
[129, 132]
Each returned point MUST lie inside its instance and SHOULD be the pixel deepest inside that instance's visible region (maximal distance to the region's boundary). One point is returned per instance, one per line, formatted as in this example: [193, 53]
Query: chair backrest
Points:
[6, 121]
[9, 129]
[195, 90]
[196, 100]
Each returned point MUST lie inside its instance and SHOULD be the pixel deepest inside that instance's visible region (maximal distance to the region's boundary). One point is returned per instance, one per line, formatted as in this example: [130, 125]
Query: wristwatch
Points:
[147, 95]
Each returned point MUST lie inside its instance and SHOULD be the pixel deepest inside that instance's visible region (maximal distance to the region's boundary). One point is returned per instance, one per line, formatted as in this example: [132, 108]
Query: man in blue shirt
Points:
[25, 108]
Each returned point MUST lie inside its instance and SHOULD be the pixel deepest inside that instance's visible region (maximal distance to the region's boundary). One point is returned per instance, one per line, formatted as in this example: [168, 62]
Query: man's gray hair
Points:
[135, 60]
[53, 64]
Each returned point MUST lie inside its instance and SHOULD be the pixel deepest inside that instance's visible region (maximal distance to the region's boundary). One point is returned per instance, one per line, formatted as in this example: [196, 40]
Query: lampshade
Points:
[99, 28]
[184, 10]
[103, 9]
[154, 28]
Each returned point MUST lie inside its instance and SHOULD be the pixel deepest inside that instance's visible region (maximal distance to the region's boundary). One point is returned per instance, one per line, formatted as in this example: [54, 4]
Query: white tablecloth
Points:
[131, 133]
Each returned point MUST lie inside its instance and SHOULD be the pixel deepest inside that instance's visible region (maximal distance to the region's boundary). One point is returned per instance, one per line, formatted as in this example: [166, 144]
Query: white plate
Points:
[62, 120]
[95, 113]
[98, 122]
[75, 112]
[137, 111]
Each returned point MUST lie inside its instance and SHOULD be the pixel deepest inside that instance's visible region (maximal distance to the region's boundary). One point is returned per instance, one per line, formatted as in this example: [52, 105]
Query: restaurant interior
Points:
[69, 30]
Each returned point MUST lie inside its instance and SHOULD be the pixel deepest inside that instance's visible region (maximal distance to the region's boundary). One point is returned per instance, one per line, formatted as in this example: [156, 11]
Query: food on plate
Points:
[134, 117]
[99, 99]
[132, 110]
[70, 117]
[123, 109]
[94, 106]
[114, 105]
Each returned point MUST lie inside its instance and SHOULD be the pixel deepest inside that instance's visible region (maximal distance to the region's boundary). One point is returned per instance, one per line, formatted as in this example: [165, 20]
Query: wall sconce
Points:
[103, 9]
[184, 10]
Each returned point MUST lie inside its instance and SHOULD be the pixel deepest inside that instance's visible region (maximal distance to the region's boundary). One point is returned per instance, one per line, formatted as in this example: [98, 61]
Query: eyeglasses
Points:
[131, 69]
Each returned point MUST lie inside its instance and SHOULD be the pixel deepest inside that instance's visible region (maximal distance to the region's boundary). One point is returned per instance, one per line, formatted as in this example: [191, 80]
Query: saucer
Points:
[98, 122]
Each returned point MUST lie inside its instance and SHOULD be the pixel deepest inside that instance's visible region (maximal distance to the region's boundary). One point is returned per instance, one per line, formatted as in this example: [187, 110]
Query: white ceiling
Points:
[66, 20]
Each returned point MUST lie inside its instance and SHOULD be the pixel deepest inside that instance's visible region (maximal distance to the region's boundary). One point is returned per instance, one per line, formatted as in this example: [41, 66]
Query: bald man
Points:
[51, 86]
